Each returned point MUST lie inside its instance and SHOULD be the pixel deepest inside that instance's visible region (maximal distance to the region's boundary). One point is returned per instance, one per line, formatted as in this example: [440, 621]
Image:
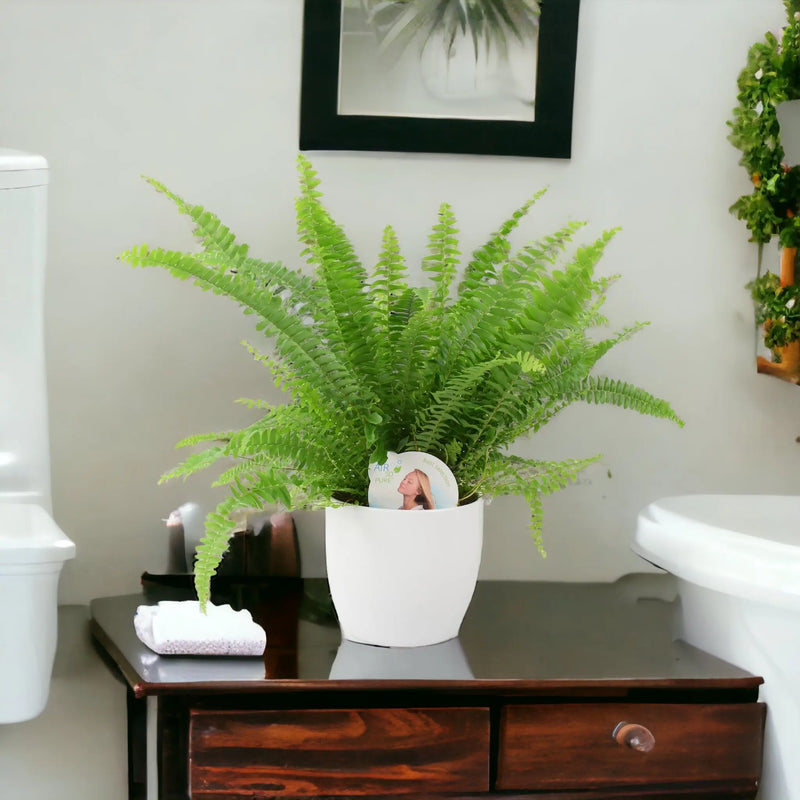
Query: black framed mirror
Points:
[421, 76]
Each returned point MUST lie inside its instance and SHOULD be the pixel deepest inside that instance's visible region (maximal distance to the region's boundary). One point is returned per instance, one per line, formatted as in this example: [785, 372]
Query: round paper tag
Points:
[413, 481]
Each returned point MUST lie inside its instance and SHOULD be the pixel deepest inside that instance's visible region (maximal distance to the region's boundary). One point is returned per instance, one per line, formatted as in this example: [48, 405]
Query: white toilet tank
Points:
[33, 550]
[32, 547]
[24, 435]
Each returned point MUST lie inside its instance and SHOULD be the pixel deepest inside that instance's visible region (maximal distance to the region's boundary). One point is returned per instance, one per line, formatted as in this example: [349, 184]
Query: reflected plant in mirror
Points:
[457, 51]
[487, 24]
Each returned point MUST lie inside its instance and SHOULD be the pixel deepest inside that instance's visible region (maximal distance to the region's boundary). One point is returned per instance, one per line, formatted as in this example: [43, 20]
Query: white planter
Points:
[402, 578]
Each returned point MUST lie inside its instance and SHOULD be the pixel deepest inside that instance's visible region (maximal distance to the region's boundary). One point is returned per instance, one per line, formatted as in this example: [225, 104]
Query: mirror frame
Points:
[549, 136]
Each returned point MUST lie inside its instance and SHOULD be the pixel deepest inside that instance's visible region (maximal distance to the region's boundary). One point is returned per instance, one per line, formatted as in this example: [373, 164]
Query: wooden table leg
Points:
[137, 747]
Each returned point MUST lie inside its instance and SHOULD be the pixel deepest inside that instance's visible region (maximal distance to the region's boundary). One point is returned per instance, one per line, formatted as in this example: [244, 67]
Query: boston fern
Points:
[459, 368]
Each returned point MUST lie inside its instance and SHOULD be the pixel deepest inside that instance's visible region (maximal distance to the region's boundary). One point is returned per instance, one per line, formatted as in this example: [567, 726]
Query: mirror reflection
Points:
[442, 59]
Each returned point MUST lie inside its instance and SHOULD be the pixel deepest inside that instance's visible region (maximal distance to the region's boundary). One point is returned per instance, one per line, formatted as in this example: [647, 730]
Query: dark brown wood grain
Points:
[283, 727]
[719, 791]
[337, 752]
[563, 747]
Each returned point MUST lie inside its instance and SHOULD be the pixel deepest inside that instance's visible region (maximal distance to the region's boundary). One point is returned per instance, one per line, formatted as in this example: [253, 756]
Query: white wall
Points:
[204, 96]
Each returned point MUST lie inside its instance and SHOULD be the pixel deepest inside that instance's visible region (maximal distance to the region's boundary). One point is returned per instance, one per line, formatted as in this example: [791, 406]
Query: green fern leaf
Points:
[208, 229]
[625, 395]
[194, 463]
[442, 261]
[533, 480]
[489, 256]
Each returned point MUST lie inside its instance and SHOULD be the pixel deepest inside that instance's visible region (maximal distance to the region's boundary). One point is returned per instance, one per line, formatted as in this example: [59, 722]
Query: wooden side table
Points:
[552, 690]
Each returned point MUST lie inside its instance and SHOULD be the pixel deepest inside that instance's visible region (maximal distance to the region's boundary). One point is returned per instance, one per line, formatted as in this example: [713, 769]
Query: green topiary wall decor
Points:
[771, 77]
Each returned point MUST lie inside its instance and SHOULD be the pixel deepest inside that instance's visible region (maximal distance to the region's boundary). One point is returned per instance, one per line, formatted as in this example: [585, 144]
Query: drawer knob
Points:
[637, 737]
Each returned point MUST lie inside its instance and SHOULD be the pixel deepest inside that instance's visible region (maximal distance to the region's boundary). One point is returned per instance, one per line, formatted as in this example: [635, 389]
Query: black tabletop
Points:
[516, 634]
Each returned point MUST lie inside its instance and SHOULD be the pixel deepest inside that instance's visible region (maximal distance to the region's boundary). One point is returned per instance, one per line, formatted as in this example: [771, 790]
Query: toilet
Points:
[737, 563]
[24, 431]
[33, 548]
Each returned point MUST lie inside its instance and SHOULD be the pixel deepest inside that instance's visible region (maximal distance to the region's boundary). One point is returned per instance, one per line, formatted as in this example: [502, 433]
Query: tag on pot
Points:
[414, 481]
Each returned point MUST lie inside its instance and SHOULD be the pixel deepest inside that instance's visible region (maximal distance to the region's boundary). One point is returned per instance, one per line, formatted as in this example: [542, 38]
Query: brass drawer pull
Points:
[637, 737]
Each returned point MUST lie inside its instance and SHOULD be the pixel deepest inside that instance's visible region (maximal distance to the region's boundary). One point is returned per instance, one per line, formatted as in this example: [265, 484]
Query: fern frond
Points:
[213, 235]
[388, 284]
[298, 342]
[194, 463]
[533, 480]
[444, 416]
[502, 389]
[409, 369]
[558, 306]
[441, 263]
[408, 306]
[245, 470]
[487, 311]
[254, 402]
[625, 395]
[549, 247]
[197, 438]
[219, 528]
[272, 276]
[212, 547]
[599, 349]
[346, 317]
[487, 257]
[284, 375]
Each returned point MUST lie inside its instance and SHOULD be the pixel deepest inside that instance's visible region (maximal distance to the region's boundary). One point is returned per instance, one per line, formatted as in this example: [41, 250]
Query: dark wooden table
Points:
[525, 703]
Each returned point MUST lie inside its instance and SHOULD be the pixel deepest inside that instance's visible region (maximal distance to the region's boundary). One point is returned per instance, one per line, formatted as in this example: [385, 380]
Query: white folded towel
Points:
[180, 628]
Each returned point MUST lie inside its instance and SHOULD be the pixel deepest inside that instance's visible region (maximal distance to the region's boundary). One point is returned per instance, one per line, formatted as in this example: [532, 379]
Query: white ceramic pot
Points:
[402, 578]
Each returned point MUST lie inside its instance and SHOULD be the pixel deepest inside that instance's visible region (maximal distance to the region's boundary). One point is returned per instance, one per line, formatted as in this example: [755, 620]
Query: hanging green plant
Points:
[778, 310]
[771, 77]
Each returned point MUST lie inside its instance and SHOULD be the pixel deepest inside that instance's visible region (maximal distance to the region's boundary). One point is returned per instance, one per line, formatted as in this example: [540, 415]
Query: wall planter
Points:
[775, 308]
[772, 78]
[402, 578]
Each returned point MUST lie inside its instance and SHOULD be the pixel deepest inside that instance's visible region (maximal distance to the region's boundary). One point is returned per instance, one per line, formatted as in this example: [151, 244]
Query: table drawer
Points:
[561, 747]
[338, 752]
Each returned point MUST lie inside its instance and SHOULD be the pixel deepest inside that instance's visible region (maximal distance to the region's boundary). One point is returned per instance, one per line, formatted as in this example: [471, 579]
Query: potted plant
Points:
[373, 365]
[777, 309]
[771, 77]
